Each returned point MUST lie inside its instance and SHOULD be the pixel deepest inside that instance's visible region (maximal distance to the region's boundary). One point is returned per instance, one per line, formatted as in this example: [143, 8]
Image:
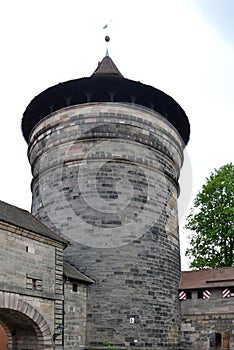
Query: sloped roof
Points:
[107, 66]
[73, 273]
[209, 278]
[23, 219]
[106, 84]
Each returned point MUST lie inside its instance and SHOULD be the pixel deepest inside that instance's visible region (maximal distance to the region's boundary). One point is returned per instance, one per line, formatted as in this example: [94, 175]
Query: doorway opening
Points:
[219, 341]
[3, 339]
[19, 332]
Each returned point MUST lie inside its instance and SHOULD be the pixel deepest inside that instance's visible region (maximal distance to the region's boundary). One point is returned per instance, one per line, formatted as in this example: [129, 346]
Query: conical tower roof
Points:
[106, 84]
[107, 67]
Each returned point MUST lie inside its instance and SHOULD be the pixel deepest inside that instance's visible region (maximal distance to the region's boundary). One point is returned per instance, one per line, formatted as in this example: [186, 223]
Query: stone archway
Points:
[25, 327]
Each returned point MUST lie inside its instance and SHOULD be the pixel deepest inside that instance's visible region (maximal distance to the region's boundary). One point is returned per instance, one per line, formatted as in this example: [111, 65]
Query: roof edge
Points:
[23, 219]
[72, 272]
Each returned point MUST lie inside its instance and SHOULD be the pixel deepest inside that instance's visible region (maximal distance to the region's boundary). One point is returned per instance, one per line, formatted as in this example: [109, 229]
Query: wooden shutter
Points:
[225, 341]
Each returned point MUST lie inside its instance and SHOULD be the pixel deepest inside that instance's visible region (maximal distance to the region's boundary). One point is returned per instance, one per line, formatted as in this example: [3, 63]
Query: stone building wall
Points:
[75, 314]
[31, 287]
[202, 317]
[106, 176]
[27, 264]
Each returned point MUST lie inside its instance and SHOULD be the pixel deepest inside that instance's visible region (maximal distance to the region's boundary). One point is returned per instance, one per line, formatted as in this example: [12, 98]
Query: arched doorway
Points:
[25, 327]
[24, 334]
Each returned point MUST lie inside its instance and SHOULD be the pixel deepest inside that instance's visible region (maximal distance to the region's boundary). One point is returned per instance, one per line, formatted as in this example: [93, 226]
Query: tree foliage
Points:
[211, 222]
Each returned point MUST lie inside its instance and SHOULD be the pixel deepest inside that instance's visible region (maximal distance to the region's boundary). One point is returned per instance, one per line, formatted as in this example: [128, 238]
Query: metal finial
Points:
[107, 38]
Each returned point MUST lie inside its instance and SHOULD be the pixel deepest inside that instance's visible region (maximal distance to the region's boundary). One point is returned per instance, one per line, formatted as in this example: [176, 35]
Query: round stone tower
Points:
[106, 154]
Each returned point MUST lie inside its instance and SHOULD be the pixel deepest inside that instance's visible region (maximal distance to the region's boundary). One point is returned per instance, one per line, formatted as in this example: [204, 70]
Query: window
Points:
[228, 292]
[74, 287]
[183, 295]
[33, 283]
[200, 294]
[203, 294]
[30, 249]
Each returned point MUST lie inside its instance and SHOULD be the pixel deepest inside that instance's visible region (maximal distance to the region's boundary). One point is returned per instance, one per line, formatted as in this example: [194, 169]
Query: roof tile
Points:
[23, 219]
[73, 273]
[209, 278]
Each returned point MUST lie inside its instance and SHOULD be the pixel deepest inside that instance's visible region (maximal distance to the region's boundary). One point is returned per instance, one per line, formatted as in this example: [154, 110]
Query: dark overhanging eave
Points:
[104, 87]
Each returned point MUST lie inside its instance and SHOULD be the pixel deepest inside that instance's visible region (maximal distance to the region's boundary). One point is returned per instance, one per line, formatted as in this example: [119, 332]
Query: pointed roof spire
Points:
[107, 68]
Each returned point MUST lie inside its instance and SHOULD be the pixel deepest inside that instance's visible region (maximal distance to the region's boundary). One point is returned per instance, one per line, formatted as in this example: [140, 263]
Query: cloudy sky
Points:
[183, 47]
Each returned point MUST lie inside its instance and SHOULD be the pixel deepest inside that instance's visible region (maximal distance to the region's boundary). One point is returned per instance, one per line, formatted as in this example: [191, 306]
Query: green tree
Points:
[211, 222]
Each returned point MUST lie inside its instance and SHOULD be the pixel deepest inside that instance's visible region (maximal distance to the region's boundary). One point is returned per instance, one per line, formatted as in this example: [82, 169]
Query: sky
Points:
[183, 47]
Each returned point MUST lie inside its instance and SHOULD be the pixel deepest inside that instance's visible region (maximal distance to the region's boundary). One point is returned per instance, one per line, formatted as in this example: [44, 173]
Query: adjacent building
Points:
[207, 309]
[37, 288]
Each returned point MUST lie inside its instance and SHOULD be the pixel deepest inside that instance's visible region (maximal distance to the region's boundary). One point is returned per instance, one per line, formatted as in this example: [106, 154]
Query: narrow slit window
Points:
[29, 249]
[34, 284]
[74, 287]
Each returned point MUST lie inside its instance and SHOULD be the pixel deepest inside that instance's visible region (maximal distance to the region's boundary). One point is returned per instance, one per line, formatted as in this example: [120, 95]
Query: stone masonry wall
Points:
[200, 317]
[105, 175]
[24, 259]
[75, 311]
[31, 280]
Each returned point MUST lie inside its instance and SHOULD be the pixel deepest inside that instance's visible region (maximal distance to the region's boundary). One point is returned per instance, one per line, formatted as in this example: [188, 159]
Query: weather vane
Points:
[107, 38]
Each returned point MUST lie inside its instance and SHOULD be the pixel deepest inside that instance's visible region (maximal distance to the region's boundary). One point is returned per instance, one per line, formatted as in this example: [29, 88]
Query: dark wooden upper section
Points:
[106, 84]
